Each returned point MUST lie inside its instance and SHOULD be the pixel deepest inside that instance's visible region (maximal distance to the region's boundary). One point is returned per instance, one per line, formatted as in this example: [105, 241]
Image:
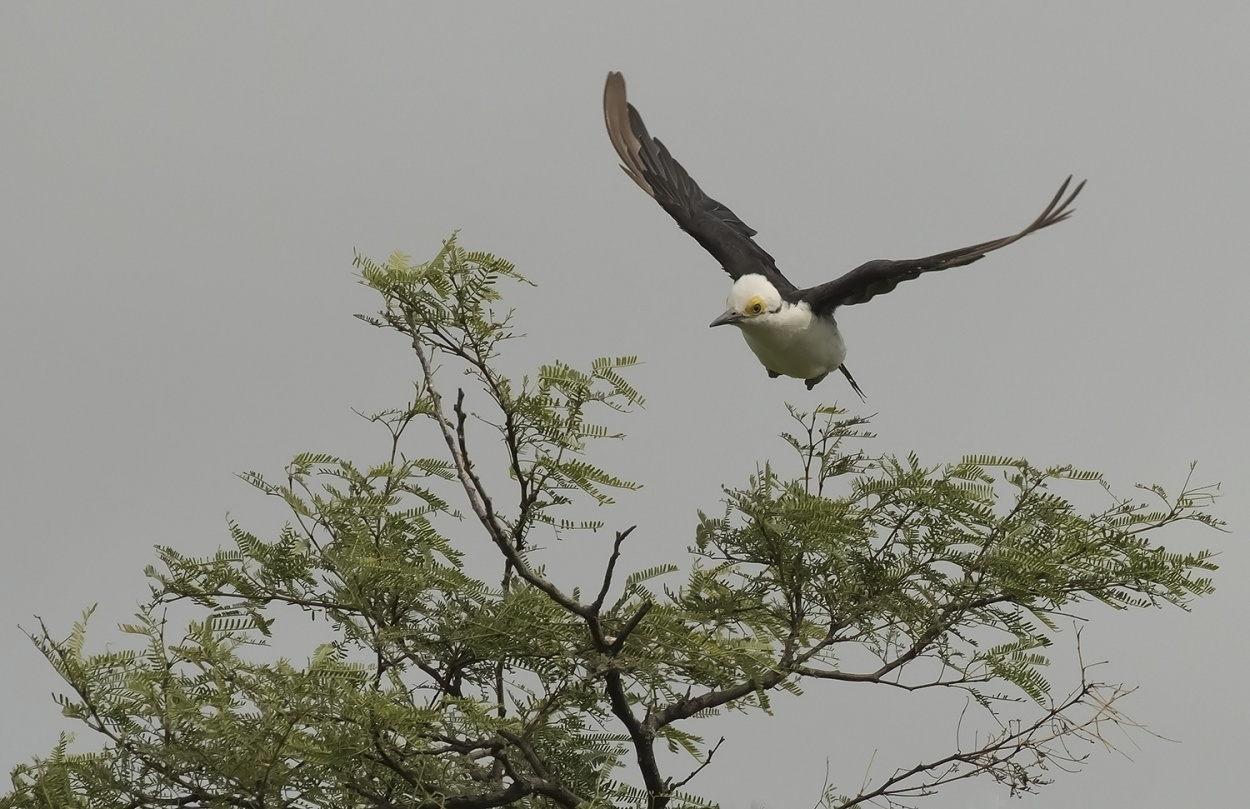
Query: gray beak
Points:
[730, 316]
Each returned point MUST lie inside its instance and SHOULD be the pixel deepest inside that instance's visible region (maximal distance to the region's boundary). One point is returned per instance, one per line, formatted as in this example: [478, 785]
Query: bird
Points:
[791, 330]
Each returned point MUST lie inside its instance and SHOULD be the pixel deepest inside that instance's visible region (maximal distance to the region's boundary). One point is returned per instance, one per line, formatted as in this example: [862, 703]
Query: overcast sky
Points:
[183, 186]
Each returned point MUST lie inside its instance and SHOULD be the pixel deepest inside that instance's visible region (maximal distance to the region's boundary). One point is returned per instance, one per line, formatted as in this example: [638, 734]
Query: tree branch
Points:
[706, 761]
[546, 785]
[998, 757]
[618, 642]
[478, 500]
[642, 735]
[688, 707]
[597, 604]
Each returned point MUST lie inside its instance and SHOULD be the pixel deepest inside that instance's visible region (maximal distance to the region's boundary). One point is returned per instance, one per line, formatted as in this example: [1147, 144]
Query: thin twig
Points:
[706, 761]
[597, 604]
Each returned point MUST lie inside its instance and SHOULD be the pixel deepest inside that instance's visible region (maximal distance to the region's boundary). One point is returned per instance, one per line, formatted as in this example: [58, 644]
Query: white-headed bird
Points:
[792, 331]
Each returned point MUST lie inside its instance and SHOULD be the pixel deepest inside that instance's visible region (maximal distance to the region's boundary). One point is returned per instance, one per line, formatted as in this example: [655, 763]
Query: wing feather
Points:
[882, 275]
[649, 164]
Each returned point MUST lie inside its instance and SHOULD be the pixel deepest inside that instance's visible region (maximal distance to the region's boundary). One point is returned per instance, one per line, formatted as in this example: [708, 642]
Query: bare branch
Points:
[1016, 755]
[597, 604]
[706, 761]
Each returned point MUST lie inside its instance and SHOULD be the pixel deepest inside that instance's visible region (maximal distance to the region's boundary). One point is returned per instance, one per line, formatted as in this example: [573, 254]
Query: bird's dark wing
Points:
[649, 164]
[881, 276]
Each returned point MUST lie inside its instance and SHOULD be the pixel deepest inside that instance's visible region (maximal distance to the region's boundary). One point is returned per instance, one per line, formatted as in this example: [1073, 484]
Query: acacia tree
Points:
[432, 688]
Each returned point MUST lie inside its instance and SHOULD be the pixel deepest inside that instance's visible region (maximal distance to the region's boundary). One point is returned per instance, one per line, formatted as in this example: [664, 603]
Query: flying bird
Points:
[792, 331]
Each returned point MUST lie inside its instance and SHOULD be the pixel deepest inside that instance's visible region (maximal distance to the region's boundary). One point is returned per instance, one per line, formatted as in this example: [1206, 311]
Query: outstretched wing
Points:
[649, 164]
[881, 276]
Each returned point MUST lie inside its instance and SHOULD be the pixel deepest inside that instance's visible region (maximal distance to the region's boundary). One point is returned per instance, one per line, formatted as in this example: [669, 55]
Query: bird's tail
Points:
[846, 372]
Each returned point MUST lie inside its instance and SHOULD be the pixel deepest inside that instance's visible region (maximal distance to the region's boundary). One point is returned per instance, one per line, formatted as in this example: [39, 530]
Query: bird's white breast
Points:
[795, 342]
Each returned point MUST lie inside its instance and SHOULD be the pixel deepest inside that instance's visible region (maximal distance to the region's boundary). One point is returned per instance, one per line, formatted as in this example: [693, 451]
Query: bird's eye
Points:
[755, 307]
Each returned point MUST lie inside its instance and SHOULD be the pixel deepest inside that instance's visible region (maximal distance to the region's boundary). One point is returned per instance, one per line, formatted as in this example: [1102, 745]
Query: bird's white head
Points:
[752, 296]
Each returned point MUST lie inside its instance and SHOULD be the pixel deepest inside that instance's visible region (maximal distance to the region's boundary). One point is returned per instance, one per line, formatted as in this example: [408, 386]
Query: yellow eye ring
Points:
[755, 306]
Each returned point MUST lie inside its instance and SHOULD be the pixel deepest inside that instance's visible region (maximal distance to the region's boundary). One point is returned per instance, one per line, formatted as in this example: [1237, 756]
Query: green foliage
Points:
[447, 307]
[429, 687]
[918, 562]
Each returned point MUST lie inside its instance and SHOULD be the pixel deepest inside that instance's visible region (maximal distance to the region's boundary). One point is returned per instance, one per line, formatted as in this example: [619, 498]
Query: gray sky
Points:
[183, 186]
